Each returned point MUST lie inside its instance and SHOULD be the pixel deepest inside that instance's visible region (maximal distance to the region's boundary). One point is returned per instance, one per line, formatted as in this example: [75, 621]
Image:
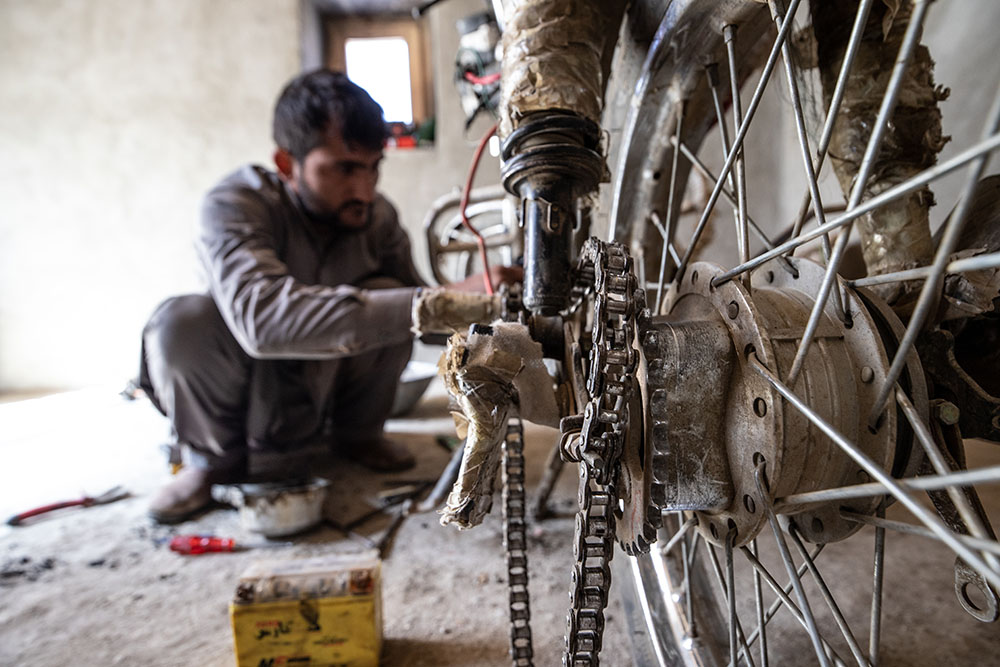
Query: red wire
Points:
[482, 80]
[465, 202]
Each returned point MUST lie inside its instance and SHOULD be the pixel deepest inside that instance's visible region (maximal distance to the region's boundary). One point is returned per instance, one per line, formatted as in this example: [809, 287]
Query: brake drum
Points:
[712, 418]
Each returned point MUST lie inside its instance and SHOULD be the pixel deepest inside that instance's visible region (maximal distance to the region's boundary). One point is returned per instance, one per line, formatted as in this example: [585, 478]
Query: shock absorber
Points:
[550, 161]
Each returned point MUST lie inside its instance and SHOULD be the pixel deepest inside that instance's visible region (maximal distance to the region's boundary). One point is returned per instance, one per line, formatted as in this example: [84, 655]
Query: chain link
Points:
[613, 363]
[515, 541]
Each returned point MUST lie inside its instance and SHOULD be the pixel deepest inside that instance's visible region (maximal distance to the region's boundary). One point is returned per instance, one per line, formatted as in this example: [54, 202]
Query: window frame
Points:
[338, 29]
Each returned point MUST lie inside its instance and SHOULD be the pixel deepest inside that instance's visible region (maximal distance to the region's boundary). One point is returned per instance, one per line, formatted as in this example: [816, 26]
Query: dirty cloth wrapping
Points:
[896, 236]
[552, 51]
[439, 310]
[490, 373]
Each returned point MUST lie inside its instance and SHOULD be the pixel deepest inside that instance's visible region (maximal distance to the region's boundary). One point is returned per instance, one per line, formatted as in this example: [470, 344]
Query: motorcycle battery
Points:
[311, 611]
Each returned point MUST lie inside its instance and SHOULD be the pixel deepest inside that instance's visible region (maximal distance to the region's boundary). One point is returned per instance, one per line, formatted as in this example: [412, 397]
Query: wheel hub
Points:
[712, 418]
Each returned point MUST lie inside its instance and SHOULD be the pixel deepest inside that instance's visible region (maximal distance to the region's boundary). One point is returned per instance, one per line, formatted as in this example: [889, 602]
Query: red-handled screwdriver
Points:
[193, 545]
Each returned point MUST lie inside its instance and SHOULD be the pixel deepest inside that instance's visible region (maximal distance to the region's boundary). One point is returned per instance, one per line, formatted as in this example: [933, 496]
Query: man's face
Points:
[336, 181]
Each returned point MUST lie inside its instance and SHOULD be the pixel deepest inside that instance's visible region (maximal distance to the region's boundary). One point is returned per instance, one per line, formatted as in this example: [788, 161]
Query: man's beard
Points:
[317, 210]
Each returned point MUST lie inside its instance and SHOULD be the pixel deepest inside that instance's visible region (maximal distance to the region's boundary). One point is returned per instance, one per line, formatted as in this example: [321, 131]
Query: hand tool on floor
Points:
[398, 494]
[109, 496]
[382, 545]
[367, 541]
[388, 498]
[195, 545]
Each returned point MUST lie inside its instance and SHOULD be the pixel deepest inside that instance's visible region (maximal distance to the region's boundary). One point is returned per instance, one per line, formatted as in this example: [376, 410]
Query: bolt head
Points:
[867, 374]
[948, 413]
[733, 310]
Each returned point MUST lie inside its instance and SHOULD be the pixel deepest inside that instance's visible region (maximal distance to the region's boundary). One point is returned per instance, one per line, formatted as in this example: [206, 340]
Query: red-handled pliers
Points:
[110, 496]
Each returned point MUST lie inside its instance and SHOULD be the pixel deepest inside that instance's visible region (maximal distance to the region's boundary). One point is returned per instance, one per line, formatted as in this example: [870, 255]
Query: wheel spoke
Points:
[687, 555]
[783, 598]
[654, 219]
[987, 475]
[929, 293]
[991, 546]
[807, 617]
[800, 130]
[896, 192]
[828, 597]
[778, 602]
[878, 571]
[678, 536]
[735, 628]
[668, 230]
[665, 581]
[977, 263]
[854, 43]
[731, 599]
[758, 94]
[742, 236]
[712, 72]
[885, 111]
[754, 227]
[759, 599]
[891, 486]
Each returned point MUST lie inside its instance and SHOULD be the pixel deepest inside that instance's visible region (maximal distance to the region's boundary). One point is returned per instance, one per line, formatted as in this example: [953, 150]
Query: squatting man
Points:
[306, 326]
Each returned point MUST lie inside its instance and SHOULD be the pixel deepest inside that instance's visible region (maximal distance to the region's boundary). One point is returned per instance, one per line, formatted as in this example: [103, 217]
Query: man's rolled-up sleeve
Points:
[270, 313]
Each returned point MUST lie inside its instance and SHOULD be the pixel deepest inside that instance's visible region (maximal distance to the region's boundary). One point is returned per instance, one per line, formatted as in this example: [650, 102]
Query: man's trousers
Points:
[221, 402]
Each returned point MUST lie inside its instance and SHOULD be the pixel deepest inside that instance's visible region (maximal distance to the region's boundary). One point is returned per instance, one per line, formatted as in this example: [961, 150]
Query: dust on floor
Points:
[98, 586]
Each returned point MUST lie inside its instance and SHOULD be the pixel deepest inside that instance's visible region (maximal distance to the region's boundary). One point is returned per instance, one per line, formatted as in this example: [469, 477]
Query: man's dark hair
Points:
[318, 102]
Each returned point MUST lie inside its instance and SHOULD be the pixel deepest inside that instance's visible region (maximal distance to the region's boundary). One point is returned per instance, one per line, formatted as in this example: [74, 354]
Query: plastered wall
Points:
[117, 116]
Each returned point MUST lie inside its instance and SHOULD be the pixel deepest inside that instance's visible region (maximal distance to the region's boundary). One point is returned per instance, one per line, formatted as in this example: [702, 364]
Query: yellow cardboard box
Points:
[314, 612]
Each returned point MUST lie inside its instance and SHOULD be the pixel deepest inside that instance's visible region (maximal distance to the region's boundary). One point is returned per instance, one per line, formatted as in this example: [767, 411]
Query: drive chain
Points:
[515, 541]
[613, 362]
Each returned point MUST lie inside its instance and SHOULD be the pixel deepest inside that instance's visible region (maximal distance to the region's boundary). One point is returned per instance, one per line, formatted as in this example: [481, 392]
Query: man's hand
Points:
[498, 276]
[446, 310]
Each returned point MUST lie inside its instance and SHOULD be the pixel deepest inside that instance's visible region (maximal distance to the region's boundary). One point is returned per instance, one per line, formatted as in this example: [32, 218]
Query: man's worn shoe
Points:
[187, 494]
[381, 454]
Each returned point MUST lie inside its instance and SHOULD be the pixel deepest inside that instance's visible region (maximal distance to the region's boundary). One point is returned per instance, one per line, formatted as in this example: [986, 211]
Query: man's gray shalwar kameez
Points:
[302, 337]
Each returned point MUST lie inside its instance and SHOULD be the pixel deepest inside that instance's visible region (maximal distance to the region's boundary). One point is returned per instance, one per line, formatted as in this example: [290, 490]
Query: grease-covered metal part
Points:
[596, 439]
[948, 438]
[551, 98]
[688, 367]
[550, 162]
[973, 293]
[979, 410]
[613, 358]
[552, 56]
[897, 236]
[840, 373]
[638, 517]
[593, 547]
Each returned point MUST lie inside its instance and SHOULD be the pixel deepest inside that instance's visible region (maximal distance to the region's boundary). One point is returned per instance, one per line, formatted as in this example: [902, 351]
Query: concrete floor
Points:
[444, 592]
[97, 589]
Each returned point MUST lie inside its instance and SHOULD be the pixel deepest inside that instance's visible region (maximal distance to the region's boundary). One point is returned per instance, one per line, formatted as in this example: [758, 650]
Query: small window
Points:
[381, 65]
[388, 57]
